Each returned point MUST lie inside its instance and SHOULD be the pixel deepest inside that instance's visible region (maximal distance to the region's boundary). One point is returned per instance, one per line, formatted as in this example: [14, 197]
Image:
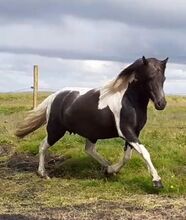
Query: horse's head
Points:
[151, 73]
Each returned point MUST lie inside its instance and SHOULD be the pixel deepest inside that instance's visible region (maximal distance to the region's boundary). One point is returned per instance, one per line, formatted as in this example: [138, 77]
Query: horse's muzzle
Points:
[160, 105]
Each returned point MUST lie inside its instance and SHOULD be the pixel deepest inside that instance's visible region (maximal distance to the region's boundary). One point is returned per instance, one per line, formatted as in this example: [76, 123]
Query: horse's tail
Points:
[36, 118]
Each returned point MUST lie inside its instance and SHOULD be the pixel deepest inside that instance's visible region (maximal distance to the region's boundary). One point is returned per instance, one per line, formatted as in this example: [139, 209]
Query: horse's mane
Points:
[121, 82]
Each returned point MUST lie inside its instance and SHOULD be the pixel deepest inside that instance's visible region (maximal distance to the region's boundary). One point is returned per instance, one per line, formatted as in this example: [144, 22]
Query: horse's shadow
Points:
[68, 167]
[60, 167]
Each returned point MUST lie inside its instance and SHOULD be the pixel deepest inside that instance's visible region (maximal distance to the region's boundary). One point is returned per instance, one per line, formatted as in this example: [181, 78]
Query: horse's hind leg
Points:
[42, 151]
[90, 149]
[54, 134]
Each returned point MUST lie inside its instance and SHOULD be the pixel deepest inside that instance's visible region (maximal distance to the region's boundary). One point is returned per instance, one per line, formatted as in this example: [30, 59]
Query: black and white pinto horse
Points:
[118, 109]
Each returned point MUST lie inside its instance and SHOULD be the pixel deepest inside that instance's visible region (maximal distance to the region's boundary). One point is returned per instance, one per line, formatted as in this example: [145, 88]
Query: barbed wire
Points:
[30, 89]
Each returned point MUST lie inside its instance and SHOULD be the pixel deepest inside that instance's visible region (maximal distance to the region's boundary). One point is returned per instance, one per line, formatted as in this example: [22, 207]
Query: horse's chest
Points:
[114, 102]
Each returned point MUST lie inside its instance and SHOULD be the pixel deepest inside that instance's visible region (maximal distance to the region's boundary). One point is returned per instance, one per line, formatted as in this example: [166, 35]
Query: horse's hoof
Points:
[43, 175]
[47, 177]
[158, 184]
[108, 171]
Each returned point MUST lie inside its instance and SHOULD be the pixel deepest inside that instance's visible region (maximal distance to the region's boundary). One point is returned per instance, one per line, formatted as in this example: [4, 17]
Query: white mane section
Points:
[111, 95]
[113, 100]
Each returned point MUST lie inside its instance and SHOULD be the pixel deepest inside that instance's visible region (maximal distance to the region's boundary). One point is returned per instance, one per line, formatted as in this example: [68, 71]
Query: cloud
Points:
[77, 38]
[70, 38]
[155, 13]
[55, 74]
[103, 30]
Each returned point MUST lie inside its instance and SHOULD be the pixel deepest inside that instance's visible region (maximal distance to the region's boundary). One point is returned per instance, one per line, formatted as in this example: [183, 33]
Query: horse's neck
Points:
[138, 95]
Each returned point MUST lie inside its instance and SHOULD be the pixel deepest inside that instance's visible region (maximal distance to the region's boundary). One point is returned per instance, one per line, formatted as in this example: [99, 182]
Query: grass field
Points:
[79, 189]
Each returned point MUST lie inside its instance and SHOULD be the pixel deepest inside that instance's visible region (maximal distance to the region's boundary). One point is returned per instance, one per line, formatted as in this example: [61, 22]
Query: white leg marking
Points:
[42, 151]
[91, 150]
[117, 167]
[128, 153]
[144, 152]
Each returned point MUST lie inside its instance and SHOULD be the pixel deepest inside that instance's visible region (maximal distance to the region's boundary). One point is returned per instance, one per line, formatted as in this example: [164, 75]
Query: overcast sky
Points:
[87, 42]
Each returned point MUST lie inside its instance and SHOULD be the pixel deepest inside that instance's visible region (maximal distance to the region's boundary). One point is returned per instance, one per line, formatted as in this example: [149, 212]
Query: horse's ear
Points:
[165, 60]
[145, 61]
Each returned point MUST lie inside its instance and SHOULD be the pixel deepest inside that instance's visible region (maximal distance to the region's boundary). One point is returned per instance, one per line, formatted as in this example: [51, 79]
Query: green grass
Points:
[79, 178]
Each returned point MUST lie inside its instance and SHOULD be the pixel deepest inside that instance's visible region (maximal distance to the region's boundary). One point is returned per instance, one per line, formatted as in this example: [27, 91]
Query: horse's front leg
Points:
[117, 167]
[146, 156]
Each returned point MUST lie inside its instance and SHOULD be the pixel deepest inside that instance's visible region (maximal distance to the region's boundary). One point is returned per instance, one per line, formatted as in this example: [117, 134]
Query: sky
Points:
[85, 43]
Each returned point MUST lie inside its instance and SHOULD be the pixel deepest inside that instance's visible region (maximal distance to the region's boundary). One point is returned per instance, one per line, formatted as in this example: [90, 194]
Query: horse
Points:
[118, 109]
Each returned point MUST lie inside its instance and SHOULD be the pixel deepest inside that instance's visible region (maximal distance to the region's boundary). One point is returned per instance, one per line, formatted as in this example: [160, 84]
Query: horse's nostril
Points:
[160, 105]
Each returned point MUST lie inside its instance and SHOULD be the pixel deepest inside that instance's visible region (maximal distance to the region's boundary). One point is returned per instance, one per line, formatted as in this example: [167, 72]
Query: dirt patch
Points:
[22, 162]
[104, 210]
[6, 149]
[14, 217]
[29, 162]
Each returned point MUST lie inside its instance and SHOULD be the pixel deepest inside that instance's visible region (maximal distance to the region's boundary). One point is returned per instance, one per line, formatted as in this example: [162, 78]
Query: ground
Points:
[78, 188]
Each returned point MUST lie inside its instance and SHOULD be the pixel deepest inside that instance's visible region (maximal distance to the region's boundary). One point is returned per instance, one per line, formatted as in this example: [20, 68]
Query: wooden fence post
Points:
[35, 86]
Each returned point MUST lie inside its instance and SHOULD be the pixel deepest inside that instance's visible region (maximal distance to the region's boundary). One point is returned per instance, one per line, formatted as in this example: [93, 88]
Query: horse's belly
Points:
[92, 126]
